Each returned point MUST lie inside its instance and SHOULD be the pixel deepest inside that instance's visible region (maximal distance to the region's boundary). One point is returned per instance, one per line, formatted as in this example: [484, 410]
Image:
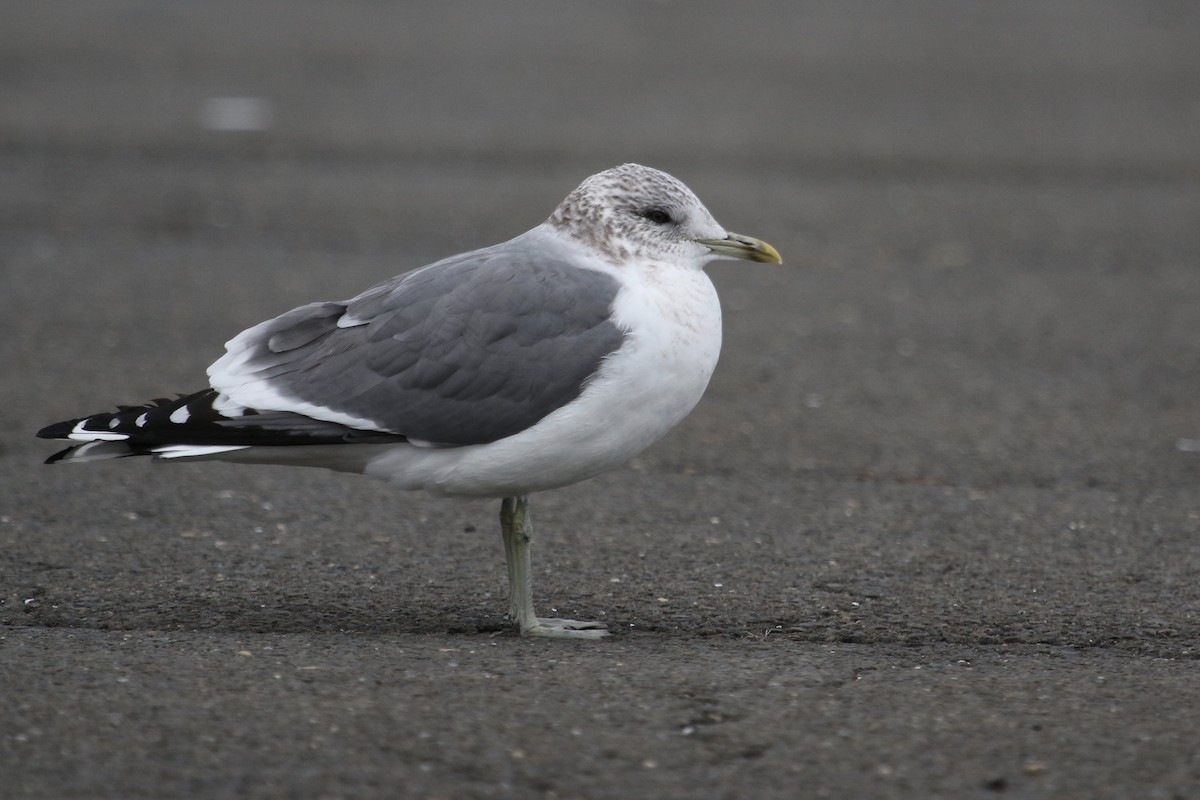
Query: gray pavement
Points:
[934, 532]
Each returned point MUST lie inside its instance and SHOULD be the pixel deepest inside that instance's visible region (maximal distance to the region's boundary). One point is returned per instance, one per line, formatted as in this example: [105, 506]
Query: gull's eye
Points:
[658, 216]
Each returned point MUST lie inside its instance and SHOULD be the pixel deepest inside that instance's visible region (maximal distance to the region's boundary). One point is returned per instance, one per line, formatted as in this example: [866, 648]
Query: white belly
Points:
[641, 392]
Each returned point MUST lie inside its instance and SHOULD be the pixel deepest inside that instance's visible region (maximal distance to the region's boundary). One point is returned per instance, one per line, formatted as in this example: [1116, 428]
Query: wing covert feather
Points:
[467, 351]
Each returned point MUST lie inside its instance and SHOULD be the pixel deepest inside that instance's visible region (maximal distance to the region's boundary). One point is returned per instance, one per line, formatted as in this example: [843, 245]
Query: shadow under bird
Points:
[524, 366]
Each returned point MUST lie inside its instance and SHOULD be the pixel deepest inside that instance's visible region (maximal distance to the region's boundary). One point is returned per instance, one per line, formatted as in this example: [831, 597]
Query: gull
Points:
[517, 368]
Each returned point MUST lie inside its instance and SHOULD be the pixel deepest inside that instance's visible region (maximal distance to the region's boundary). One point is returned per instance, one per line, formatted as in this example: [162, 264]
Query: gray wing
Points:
[466, 351]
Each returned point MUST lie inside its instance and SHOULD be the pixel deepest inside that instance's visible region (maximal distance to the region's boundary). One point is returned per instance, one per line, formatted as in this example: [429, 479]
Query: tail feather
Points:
[203, 423]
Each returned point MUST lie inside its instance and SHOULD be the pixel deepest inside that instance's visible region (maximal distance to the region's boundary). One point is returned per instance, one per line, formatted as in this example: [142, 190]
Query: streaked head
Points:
[635, 212]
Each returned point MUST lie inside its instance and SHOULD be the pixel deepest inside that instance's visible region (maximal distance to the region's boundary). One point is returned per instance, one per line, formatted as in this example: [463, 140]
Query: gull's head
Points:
[634, 212]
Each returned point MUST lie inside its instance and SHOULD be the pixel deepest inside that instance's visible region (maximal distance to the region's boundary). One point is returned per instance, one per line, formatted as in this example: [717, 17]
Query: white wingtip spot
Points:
[114, 422]
[180, 415]
[95, 436]
[140, 421]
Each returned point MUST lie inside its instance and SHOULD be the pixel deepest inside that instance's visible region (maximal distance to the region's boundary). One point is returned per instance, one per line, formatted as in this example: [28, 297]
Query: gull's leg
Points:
[514, 522]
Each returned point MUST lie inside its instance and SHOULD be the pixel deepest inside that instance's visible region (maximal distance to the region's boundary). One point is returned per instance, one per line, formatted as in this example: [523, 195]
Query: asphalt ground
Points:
[934, 531]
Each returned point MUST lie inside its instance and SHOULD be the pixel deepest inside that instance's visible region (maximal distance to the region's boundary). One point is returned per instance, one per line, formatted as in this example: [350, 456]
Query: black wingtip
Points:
[59, 430]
